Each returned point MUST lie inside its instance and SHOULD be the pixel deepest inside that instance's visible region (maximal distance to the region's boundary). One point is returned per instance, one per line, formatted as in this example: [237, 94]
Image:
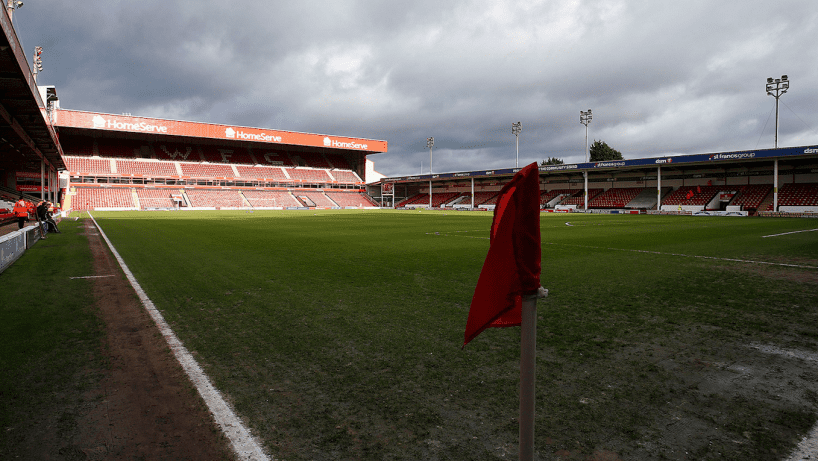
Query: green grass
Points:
[50, 341]
[337, 333]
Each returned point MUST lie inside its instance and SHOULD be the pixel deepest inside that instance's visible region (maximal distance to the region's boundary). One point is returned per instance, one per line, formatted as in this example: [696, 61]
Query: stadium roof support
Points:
[26, 134]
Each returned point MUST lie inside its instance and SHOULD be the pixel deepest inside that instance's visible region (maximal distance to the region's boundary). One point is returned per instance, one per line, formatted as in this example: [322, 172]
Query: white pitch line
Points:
[746, 261]
[788, 233]
[793, 353]
[91, 277]
[808, 446]
[242, 442]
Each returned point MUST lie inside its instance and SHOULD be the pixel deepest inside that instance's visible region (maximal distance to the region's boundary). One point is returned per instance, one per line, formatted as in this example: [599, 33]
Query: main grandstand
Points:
[781, 182]
[121, 162]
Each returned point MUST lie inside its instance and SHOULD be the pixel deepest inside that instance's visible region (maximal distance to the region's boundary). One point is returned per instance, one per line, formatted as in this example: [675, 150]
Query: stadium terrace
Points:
[777, 182]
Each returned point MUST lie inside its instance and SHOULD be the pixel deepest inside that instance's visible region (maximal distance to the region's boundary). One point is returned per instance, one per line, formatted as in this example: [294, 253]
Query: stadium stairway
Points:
[766, 204]
[647, 198]
[244, 200]
[186, 198]
[136, 199]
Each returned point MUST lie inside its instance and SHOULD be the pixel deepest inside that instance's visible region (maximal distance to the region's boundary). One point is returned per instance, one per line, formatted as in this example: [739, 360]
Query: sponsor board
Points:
[643, 162]
[99, 121]
[733, 156]
[785, 214]
[28, 174]
[720, 213]
[558, 167]
[608, 164]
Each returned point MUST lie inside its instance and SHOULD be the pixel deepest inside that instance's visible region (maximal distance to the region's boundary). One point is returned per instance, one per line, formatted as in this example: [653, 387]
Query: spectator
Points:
[49, 219]
[21, 212]
[42, 208]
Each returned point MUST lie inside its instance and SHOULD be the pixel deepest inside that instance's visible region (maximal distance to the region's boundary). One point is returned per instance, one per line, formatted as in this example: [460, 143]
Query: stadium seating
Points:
[547, 196]
[261, 172]
[89, 198]
[318, 198]
[270, 198]
[117, 148]
[615, 198]
[408, 200]
[267, 157]
[308, 175]
[167, 151]
[346, 176]
[345, 199]
[207, 170]
[218, 154]
[480, 198]
[437, 199]
[579, 197]
[750, 196]
[313, 159]
[89, 166]
[699, 195]
[146, 168]
[156, 198]
[76, 145]
[338, 161]
[215, 198]
[797, 195]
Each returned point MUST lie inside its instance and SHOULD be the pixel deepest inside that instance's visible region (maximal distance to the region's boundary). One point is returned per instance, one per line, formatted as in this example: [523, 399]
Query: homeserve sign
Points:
[100, 122]
[233, 134]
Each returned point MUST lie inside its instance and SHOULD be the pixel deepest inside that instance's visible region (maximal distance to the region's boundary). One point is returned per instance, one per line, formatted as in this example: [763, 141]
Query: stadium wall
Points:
[14, 244]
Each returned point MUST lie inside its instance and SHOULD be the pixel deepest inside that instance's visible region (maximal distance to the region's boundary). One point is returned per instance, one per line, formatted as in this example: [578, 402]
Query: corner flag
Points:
[512, 266]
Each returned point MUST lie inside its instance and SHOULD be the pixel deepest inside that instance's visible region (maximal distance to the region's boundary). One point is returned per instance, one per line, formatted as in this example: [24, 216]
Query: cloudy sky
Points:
[661, 77]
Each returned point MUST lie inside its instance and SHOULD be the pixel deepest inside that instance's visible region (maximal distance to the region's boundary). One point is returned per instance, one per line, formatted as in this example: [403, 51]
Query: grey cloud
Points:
[660, 77]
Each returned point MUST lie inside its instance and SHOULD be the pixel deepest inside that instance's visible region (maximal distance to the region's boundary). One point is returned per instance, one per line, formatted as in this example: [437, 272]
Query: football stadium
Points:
[229, 292]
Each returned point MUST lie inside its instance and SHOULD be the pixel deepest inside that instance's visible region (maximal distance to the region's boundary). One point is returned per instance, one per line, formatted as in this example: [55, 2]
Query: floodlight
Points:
[775, 88]
[516, 128]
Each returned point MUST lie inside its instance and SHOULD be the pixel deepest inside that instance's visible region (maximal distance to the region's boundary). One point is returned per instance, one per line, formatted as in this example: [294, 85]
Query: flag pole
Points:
[528, 352]
[528, 366]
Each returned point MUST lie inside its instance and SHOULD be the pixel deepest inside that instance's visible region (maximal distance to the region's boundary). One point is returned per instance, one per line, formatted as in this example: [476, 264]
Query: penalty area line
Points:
[745, 261]
[788, 233]
[809, 443]
[242, 442]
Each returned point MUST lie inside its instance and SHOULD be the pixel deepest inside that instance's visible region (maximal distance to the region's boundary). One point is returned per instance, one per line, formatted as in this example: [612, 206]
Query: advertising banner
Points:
[98, 121]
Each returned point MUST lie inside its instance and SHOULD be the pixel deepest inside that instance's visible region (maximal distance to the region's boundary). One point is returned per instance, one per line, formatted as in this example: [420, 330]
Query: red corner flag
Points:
[512, 266]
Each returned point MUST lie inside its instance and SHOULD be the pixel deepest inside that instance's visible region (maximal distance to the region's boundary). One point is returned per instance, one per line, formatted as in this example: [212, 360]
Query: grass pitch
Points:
[50, 345]
[337, 334]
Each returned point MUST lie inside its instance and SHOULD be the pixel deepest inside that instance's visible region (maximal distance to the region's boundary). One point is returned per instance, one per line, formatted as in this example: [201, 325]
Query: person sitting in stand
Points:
[21, 212]
[49, 218]
[41, 209]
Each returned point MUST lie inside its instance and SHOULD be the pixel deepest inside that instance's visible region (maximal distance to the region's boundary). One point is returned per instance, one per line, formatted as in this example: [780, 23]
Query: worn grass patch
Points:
[337, 333]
